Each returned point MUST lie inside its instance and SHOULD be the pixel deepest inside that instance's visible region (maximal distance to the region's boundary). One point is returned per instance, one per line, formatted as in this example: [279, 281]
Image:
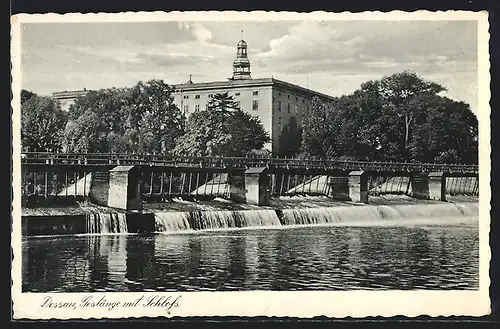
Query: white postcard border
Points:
[305, 304]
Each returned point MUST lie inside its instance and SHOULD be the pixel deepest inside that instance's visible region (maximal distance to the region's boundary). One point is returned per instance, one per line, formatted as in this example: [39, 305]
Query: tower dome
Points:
[241, 65]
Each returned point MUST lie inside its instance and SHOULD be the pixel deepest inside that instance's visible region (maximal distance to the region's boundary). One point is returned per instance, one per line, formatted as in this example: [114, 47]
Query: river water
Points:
[315, 257]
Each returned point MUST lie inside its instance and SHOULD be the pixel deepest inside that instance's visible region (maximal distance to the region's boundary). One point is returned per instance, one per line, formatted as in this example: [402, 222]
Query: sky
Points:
[332, 57]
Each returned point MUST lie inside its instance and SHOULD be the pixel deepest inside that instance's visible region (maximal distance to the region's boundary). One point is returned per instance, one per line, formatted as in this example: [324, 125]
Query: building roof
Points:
[247, 83]
[69, 94]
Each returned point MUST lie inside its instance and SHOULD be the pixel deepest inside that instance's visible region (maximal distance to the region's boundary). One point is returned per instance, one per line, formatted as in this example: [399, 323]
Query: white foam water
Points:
[106, 223]
[378, 215]
[325, 215]
[178, 221]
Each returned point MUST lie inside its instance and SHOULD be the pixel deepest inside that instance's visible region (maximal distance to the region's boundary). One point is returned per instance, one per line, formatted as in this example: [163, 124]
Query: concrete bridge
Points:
[125, 180]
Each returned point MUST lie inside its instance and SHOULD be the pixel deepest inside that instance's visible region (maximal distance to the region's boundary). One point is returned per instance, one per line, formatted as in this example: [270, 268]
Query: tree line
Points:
[400, 117]
[140, 119]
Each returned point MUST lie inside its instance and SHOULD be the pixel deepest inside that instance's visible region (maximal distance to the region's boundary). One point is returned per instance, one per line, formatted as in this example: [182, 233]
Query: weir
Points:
[176, 221]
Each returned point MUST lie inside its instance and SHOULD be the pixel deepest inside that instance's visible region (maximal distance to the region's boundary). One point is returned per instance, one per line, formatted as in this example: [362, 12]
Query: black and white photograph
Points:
[182, 158]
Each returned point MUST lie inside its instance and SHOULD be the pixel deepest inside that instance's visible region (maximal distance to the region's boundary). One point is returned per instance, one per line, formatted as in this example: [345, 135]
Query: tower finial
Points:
[241, 34]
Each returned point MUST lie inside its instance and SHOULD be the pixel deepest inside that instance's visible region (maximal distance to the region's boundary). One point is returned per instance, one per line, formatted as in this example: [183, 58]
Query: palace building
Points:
[274, 101]
[66, 98]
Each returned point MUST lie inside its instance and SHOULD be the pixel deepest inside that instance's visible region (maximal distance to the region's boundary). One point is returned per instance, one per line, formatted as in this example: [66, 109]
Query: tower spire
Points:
[241, 65]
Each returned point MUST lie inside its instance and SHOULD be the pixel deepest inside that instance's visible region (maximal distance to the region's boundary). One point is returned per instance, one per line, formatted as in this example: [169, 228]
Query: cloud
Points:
[380, 46]
[312, 40]
[333, 57]
[201, 33]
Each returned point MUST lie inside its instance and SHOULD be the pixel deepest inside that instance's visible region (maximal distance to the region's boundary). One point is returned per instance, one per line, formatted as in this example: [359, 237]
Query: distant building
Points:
[272, 100]
[66, 98]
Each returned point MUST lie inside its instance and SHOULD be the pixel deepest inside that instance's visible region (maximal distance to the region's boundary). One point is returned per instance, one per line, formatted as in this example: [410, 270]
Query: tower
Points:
[241, 65]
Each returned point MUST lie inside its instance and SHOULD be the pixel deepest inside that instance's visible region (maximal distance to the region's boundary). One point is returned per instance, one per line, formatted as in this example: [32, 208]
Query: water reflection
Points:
[308, 258]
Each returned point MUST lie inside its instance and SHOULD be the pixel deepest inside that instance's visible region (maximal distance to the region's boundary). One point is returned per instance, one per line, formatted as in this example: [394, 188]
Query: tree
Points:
[161, 122]
[398, 90]
[221, 130]
[42, 122]
[87, 134]
[247, 133]
[446, 131]
[290, 139]
[222, 102]
[321, 134]
[398, 118]
[26, 95]
[142, 119]
[206, 135]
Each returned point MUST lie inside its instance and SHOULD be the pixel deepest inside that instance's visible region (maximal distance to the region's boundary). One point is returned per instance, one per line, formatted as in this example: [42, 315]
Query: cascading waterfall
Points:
[170, 221]
[106, 223]
[437, 210]
[326, 215]
[203, 220]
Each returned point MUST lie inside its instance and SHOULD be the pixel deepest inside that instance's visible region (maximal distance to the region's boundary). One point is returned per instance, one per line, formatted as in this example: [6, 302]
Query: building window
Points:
[279, 94]
[255, 105]
[279, 122]
[296, 109]
[186, 97]
[237, 94]
[197, 107]
[296, 99]
[279, 106]
[288, 96]
[303, 100]
[210, 95]
[255, 93]
[288, 107]
[197, 96]
[186, 108]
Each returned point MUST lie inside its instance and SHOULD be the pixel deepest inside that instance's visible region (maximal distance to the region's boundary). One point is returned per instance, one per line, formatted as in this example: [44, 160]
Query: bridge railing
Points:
[234, 162]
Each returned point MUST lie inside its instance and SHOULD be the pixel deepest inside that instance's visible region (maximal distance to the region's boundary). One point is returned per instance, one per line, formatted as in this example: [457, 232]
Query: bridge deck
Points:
[104, 160]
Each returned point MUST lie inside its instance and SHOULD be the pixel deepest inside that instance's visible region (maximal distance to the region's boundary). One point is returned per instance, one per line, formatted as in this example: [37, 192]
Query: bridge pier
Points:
[429, 186]
[99, 188]
[351, 187]
[257, 187]
[339, 188]
[358, 186]
[251, 186]
[236, 187]
[125, 188]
